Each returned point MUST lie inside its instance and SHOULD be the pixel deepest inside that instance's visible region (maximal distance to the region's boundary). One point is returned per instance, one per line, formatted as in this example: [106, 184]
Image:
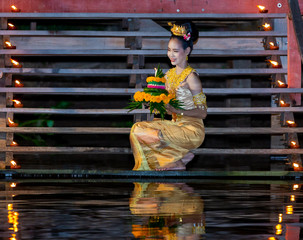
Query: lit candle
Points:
[275, 64]
[262, 9]
[11, 123]
[15, 9]
[281, 84]
[16, 64]
[292, 198]
[289, 209]
[8, 45]
[280, 217]
[17, 104]
[295, 187]
[13, 185]
[293, 144]
[297, 167]
[291, 123]
[278, 229]
[267, 27]
[18, 84]
[284, 104]
[14, 144]
[14, 165]
[11, 26]
[273, 47]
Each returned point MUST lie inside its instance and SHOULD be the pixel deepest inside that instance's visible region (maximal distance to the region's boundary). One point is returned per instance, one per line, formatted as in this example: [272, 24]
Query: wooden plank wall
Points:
[147, 6]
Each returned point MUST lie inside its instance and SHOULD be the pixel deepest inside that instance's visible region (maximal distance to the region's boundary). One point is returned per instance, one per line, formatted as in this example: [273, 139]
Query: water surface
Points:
[201, 209]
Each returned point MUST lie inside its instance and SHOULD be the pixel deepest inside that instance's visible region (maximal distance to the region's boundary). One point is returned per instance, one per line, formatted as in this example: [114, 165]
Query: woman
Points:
[163, 144]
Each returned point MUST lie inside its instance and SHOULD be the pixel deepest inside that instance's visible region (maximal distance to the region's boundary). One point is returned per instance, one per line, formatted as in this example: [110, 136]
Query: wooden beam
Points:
[126, 52]
[82, 33]
[113, 150]
[172, 16]
[125, 72]
[212, 111]
[112, 130]
[130, 91]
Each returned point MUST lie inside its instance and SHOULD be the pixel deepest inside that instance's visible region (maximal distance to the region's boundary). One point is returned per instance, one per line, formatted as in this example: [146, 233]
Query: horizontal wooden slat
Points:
[102, 52]
[138, 15]
[112, 150]
[126, 72]
[83, 33]
[112, 130]
[130, 91]
[213, 111]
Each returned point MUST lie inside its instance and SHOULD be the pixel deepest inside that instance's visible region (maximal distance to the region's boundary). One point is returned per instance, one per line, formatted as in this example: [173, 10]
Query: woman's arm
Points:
[195, 86]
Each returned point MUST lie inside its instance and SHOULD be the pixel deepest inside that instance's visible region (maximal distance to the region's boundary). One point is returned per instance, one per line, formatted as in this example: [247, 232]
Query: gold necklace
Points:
[175, 79]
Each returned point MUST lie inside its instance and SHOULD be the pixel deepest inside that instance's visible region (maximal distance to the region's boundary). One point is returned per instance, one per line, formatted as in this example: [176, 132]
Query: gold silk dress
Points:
[176, 137]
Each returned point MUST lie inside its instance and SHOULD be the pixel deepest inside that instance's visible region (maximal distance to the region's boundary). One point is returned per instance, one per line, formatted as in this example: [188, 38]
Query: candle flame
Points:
[13, 163]
[280, 217]
[272, 44]
[292, 198]
[14, 7]
[16, 101]
[14, 143]
[266, 25]
[8, 43]
[10, 207]
[282, 102]
[273, 62]
[272, 238]
[11, 25]
[10, 121]
[289, 209]
[280, 83]
[290, 122]
[295, 186]
[17, 81]
[293, 143]
[261, 7]
[296, 165]
[14, 62]
[13, 185]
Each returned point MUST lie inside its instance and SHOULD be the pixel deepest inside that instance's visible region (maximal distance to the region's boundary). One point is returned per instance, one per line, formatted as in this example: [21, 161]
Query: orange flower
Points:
[147, 97]
[166, 100]
[158, 99]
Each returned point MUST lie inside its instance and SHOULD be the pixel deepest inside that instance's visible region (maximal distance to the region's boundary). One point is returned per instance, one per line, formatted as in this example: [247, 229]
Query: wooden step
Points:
[114, 130]
[166, 16]
[210, 111]
[126, 72]
[130, 91]
[83, 33]
[113, 150]
[149, 53]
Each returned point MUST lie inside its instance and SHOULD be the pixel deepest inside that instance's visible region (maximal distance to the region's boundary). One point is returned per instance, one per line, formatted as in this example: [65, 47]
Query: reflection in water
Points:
[105, 210]
[168, 211]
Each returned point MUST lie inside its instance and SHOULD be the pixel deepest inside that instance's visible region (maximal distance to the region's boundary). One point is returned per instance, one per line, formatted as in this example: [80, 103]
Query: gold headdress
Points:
[177, 30]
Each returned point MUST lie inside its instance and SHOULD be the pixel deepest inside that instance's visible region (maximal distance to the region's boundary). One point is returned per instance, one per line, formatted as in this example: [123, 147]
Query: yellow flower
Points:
[166, 100]
[136, 96]
[162, 96]
[147, 97]
[152, 99]
[157, 99]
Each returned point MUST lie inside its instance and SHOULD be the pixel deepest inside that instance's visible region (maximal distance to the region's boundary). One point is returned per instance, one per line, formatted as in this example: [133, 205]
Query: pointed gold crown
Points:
[177, 30]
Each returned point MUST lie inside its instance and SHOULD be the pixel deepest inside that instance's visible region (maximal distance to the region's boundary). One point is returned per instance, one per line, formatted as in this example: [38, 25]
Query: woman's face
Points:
[176, 53]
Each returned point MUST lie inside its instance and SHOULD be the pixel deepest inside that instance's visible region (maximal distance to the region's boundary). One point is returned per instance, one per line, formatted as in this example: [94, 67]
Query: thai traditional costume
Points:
[176, 137]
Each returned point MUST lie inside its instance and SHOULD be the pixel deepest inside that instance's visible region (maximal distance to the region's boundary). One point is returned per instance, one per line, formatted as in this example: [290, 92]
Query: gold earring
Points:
[186, 57]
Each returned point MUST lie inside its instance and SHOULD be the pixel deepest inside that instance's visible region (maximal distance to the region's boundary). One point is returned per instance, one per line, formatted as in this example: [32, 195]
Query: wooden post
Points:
[294, 63]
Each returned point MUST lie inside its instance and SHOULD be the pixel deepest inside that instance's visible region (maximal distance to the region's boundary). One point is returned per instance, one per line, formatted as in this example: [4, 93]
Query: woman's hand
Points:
[170, 109]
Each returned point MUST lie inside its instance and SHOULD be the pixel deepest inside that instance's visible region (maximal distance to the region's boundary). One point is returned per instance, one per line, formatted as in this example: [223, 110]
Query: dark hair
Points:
[194, 35]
